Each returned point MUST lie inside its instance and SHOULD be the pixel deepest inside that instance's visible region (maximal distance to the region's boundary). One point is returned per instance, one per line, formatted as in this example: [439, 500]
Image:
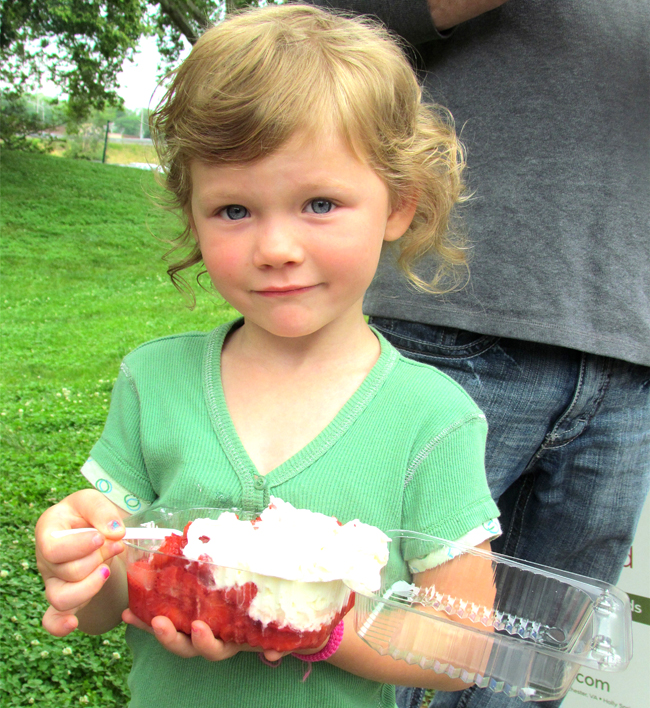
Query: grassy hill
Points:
[82, 283]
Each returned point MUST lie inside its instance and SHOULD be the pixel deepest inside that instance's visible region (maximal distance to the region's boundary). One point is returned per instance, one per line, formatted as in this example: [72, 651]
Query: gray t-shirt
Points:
[552, 100]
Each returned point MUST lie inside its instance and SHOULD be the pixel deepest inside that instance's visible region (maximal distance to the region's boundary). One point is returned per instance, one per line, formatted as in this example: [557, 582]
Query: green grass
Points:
[82, 283]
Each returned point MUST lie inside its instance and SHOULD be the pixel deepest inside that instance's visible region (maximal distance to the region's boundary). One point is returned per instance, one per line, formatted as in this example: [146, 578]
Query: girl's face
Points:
[293, 240]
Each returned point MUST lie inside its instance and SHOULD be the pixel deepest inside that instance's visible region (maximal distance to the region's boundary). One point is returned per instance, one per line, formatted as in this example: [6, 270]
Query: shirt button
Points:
[259, 482]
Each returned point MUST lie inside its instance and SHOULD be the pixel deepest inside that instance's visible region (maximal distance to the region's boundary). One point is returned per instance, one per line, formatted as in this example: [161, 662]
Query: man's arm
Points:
[417, 21]
[449, 13]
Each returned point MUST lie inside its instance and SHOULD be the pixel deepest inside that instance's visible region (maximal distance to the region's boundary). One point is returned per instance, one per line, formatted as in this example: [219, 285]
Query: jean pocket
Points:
[431, 343]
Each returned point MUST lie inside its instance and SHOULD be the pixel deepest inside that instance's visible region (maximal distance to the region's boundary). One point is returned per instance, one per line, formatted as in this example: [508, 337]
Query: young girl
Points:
[296, 146]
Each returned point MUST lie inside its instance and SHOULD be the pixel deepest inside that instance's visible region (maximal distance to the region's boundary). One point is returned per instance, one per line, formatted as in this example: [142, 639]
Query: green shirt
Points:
[406, 451]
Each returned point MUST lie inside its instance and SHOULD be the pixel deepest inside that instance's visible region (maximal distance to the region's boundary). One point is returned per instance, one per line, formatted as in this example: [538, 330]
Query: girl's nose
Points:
[277, 245]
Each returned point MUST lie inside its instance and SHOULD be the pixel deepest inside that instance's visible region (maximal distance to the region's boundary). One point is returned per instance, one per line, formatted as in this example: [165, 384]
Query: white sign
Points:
[629, 688]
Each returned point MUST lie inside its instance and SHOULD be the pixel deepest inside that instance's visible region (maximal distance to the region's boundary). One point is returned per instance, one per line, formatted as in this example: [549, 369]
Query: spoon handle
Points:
[132, 534]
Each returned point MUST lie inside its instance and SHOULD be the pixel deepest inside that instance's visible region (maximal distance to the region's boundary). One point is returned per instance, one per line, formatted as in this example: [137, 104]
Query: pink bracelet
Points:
[332, 645]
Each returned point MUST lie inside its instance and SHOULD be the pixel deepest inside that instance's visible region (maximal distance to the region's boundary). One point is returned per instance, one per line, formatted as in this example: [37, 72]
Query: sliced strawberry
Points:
[240, 595]
[217, 615]
[172, 546]
[203, 573]
[183, 590]
[169, 581]
[141, 581]
[141, 575]
[181, 620]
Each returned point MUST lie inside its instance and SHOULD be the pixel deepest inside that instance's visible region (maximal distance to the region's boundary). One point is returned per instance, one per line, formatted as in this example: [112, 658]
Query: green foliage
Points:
[131, 122]
[26, 122]
[81, 45]
[82, 284]
[23, 117]
[78, 44]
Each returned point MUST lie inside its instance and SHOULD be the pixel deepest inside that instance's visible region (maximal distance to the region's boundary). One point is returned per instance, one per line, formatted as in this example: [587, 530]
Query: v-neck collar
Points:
[256, 487]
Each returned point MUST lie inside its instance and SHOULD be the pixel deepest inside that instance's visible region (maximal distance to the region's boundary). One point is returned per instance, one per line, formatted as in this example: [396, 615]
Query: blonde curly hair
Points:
[257, 78]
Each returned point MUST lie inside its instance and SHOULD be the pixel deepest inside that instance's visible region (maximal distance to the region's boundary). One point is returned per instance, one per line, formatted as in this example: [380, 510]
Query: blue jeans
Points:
[567, 458]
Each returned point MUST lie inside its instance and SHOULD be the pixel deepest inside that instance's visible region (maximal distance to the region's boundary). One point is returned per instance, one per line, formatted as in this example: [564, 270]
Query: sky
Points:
[137, 79]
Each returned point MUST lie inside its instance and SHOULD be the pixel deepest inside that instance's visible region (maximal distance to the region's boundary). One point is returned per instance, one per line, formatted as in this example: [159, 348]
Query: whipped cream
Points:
[301, 561]
[302, 606]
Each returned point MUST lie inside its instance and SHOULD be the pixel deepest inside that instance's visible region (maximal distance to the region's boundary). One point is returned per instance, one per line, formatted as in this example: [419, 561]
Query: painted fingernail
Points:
[105, 572]
[114, 525]
[195, 629]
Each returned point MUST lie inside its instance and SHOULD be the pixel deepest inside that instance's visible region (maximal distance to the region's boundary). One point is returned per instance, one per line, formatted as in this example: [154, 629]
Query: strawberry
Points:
[203, 573]
[172, 546]
[141, 576]
[175, 583]
[240, 595]
[141, 580]
[170, 585]
[181, 620]
[217, 615]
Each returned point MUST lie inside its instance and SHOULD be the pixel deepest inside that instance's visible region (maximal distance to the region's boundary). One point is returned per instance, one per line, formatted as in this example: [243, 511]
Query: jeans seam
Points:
[466, 697]
[516, 521]
[418, 692]
[549, 442]
[574, 400]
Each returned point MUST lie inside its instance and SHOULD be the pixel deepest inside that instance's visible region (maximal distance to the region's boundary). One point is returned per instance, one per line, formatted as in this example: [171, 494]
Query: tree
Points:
[130, 123]
[26, 122]
[81, 45]
[176, 20]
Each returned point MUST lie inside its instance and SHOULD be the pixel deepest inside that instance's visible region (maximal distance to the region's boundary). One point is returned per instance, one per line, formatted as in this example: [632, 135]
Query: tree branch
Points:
[172, 11]
[198, 15]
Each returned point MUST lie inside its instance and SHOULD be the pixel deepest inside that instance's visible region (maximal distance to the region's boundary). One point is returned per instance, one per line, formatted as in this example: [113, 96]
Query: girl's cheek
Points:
[224, 262]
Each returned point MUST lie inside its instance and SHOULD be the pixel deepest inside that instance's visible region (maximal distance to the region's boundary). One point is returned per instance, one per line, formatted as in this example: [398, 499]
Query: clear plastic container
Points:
[239, 606]
[517, 628]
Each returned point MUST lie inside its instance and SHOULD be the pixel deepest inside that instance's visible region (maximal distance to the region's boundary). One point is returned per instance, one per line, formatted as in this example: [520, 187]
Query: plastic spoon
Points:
[132, 533]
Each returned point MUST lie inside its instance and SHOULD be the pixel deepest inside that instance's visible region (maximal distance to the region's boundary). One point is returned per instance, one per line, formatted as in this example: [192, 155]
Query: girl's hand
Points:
[201, 643]
[75, 568]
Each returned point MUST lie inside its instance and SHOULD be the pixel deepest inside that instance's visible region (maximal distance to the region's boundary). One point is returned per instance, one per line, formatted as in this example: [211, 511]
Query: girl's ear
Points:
[401, 217]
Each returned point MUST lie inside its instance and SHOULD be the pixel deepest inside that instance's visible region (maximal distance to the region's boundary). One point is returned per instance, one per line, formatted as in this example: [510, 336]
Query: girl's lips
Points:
[280, 292]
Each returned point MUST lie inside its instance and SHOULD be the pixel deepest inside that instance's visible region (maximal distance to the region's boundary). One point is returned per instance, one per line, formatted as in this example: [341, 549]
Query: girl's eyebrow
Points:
[220, 195]
[325, 183]
[212, 193]
[317, 186]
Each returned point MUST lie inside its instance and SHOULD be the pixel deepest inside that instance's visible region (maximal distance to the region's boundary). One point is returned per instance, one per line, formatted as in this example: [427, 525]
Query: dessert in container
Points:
[271, 597]
[515, 627]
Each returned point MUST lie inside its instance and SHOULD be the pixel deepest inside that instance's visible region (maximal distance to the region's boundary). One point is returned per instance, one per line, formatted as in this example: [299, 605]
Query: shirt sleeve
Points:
[411, 19]
[118, 452]
[111, 489]
[485, 532]
[446, 494]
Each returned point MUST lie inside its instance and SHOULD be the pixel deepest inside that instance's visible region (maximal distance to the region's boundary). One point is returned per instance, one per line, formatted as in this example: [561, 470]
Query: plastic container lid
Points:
[487, 619]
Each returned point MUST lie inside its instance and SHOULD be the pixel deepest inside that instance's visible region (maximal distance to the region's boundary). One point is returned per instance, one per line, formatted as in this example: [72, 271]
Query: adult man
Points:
[552, 98]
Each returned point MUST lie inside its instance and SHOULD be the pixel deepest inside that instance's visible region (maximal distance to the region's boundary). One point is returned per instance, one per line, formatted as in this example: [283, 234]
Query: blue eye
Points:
[235, 212]
[320, 206]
